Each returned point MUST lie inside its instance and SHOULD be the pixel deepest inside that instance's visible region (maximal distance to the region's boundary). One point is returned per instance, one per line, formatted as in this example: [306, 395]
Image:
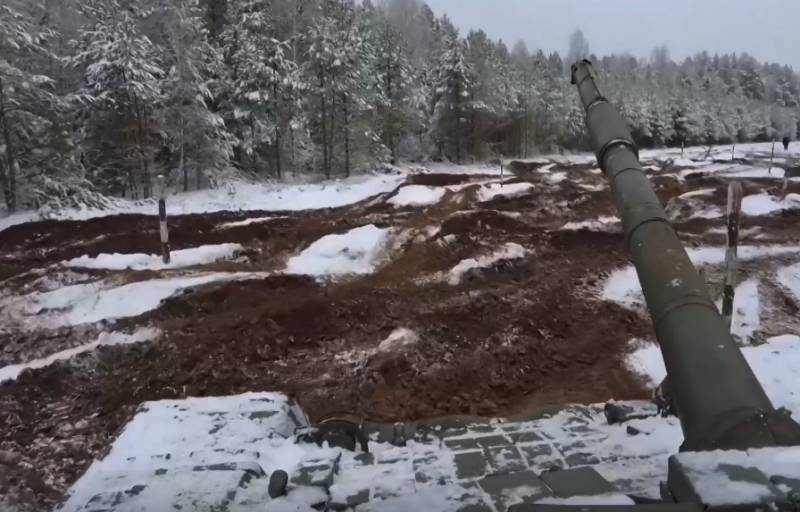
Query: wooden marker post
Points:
[683, 146]
[771, 157]
[501, 169]
[787, 172]
[731, 256]
[162, 220]
[733, 152]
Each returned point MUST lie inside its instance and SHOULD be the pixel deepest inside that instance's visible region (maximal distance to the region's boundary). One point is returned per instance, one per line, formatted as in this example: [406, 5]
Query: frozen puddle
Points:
[178, 259]
[356, 252]
[509, 251]
[103, 300]
[11, 372]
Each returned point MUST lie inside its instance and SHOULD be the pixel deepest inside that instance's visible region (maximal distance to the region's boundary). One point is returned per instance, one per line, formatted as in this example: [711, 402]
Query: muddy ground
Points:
[519, 337]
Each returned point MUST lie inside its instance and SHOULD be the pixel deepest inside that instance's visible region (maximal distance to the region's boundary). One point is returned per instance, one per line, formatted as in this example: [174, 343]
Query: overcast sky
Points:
[767, 29]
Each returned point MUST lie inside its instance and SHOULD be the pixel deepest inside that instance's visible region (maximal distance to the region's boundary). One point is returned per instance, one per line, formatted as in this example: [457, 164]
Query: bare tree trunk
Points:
[332, 144]
[324, 126]
[346, 138]
[277, 130]
[253, 149]
[291, 153]
[181, 165]
[140, 143]
[9, 177]
[458, 132]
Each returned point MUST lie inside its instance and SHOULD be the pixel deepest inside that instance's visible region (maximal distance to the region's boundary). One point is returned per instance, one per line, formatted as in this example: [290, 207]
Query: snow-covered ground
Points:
[417, 195]
[104, 339]
[491, 191]
[178, 259]
[238, 196]
[765, 204]
[248, 222]
[102, 300]
[602, 223]
[776, 363]
[789, 277]
[623, 286]
[356, 252]
[192, 433]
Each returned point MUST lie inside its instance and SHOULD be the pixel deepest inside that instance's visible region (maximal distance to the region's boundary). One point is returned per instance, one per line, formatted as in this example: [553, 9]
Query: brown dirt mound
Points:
[518, 167]
[440, 180]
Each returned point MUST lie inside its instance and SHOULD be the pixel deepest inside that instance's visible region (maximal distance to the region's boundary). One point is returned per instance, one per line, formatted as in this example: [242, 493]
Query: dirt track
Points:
[516, 338]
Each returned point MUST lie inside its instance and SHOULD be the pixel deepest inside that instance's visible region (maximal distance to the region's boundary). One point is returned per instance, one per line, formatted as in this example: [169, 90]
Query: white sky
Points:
[767, 29]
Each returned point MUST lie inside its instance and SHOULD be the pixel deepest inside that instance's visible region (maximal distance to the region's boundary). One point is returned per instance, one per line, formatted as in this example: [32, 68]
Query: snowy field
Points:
[393, 269]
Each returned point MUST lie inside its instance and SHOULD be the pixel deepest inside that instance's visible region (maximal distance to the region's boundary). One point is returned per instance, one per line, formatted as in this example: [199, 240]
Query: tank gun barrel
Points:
[720, 401]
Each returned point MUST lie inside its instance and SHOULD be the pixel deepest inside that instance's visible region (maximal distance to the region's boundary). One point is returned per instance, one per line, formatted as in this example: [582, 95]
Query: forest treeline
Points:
[98, 97]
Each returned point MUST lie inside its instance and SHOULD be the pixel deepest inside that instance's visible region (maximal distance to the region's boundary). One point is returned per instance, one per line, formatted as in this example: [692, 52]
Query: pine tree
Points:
[123, 83]
[248, 43]
[195, 133]
[392, 82]
[27, 99]
[453, 92]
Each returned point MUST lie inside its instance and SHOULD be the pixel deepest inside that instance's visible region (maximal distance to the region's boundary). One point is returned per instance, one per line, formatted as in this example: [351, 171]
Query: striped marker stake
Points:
[771, 157]
[501, 169]
[731, 256]
[162, 221]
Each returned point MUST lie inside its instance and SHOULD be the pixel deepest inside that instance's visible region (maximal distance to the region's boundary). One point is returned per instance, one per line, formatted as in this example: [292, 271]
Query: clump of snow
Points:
[790, 278]
[248, 222]
[685, 162]
[698, 193]
[11, 372]
[602, 223]
[765, 204]
[398, 339]
[356, 252]
[472, 169]
[509, 251]
[776, 364]
[597, 499]
[178, 259]
[712, 212]
[556, 177]
[103, 300]
[494, 190]
[417, 195]
[647, 362]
